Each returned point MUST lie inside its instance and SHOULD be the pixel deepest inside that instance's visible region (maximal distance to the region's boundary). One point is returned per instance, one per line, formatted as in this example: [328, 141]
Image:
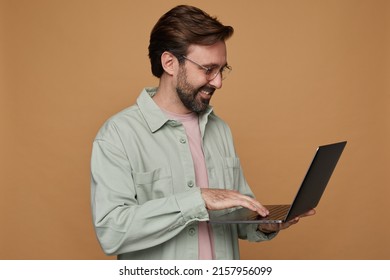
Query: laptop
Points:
[307, 198]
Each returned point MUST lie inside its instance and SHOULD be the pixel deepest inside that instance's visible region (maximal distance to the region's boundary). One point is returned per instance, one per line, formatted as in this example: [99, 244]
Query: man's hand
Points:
[268, 228]
[216, 199]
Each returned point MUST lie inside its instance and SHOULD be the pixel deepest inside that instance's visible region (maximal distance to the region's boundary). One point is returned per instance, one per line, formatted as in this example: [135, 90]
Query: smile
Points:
[207, 91]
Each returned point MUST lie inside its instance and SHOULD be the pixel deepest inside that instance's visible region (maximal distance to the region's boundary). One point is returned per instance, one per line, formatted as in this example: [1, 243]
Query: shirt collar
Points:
[153, 115]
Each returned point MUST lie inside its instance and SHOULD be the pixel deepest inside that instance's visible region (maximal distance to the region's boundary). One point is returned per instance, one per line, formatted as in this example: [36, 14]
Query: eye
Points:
[210, 70]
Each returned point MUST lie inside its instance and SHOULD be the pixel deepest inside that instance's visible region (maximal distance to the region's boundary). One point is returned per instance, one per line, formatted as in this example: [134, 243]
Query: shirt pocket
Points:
[231, 172]
[153, 184]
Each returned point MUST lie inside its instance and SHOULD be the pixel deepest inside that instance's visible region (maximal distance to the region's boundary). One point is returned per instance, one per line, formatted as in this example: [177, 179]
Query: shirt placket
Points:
[189, 181]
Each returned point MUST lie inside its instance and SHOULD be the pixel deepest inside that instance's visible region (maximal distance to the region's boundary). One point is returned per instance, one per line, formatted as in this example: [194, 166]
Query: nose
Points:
[217, 81]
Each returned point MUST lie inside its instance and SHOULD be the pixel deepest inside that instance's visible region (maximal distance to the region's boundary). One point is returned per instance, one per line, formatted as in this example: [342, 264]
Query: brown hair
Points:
[180, 27]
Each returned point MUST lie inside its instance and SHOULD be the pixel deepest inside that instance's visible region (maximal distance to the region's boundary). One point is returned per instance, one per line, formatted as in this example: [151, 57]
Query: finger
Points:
[308, 213]
[254, 205]
[222, 199]
[255, 202]
[294, 221]
[249, 202]
[312, 212]
[268, 228]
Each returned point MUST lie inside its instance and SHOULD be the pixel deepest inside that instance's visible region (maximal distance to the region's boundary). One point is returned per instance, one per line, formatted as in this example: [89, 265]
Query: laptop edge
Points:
[307, 197]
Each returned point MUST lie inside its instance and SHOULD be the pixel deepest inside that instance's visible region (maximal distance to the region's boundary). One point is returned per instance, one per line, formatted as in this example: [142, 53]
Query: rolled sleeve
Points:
[192, 205]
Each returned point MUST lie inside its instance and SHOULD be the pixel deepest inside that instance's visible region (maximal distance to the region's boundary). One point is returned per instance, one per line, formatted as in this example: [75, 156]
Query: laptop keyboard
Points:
[277, 212]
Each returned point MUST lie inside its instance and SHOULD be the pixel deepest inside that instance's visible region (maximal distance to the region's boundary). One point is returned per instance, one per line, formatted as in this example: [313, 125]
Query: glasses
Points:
[212, 72]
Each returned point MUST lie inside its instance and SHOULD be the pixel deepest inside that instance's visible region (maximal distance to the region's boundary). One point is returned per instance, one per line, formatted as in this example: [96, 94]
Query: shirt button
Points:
[191, 231]
[183, 140]
[190, 184]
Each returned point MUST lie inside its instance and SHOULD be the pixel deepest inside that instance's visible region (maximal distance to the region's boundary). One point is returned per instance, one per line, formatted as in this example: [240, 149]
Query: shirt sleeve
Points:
[121, 223]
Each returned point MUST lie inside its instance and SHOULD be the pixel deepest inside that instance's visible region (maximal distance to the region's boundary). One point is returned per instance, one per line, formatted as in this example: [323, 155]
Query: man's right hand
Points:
[217, 199]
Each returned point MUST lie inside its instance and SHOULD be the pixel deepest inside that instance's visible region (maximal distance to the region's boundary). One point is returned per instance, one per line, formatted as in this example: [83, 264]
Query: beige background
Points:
[305, 73]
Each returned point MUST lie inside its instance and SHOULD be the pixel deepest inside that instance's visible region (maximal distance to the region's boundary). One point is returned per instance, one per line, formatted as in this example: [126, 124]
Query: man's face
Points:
[193, 87]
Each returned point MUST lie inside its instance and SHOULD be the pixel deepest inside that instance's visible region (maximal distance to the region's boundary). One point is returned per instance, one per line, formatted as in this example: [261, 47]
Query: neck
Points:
[167, 99]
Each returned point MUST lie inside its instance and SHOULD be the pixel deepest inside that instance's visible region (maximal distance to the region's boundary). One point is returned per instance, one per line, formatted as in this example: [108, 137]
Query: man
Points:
[159, 166]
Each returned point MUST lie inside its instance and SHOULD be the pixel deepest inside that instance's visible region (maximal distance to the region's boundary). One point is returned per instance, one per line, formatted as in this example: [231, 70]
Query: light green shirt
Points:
[145, 203]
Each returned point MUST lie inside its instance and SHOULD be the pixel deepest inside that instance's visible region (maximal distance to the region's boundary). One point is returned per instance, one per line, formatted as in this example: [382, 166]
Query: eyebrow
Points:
[213, 65]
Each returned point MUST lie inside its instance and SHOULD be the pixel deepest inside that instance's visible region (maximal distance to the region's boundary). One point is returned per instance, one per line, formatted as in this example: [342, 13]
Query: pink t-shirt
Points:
[191, 125]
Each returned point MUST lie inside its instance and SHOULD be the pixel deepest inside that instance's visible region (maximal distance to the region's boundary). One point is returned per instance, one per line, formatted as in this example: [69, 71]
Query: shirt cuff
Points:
[192, 205]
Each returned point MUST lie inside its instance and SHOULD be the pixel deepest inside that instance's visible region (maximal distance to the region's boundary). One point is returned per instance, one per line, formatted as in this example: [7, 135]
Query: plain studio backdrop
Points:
[305, 73]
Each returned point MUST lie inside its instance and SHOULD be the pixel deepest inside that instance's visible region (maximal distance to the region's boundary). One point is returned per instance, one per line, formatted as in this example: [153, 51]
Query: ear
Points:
[168, 62]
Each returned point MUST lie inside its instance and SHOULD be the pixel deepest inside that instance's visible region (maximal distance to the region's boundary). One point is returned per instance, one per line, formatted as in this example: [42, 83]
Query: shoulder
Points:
[126, 119]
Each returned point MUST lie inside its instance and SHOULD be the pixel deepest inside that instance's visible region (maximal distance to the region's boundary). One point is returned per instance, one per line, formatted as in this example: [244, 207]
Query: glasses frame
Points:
[223, 71]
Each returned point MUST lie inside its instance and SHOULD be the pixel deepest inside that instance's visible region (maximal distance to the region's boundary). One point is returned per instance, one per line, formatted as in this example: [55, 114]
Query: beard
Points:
[190, 96]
